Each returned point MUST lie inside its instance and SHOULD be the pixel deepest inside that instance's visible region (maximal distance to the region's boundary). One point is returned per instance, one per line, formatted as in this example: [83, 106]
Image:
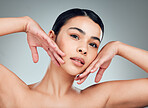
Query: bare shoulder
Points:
[119, 93]
[98, 93]
[32, 85]
[8, 77]
[11, 86]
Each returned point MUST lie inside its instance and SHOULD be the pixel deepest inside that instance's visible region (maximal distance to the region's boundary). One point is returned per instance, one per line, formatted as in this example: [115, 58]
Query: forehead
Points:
[85, 23]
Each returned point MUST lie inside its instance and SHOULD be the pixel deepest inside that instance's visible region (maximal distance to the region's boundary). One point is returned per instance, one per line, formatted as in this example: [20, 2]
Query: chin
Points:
[71, 69]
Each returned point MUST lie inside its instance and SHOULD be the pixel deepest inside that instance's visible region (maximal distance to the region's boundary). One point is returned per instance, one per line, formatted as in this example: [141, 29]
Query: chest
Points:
[76, 102]
[62, 104]
[39, 101]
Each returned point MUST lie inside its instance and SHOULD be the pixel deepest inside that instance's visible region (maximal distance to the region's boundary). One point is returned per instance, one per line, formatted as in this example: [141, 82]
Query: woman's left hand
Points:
[37, 37]
[102, 62]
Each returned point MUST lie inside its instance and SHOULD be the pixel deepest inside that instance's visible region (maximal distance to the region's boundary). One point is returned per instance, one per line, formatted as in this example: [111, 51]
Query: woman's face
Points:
[78, 39]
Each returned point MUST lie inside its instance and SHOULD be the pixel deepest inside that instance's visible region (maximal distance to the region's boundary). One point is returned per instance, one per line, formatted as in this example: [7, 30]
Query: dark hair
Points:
[65, 16]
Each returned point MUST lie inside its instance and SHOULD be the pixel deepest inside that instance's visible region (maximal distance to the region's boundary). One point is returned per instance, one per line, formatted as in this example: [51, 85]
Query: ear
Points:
[52, 35]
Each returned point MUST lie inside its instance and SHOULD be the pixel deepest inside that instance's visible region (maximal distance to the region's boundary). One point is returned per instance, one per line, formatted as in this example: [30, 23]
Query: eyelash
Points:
[91, 44]
[74, 36]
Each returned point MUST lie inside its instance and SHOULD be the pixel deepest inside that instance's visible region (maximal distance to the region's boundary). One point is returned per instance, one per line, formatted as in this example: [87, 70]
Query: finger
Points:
[46, 48]
[99, 74]
[77, 77]
[59, 59]
[46, 38]
[58, 50]
[51, 55]
[88, 70]
[52, 44]
[82, 80]
[97, 65]
[52, 58]
[35, 55]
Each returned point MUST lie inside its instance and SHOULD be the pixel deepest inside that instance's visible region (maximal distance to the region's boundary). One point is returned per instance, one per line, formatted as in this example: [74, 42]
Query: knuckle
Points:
[45, 48]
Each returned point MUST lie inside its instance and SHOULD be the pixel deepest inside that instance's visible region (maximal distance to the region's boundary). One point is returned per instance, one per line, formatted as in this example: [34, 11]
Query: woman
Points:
[77, 33]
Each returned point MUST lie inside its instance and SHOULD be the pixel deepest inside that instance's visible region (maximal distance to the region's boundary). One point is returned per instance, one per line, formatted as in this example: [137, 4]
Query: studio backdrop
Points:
[124, 20]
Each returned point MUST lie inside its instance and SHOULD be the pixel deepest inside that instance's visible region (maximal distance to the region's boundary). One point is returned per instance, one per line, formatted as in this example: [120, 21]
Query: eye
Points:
[74, 36]
[93, 45]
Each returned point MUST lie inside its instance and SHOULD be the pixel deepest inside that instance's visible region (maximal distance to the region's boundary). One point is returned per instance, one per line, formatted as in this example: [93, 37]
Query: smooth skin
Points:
[112, 94]
[36, 36]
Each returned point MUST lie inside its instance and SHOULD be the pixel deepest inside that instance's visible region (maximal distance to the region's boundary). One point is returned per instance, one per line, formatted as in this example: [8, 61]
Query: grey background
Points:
[124, 20]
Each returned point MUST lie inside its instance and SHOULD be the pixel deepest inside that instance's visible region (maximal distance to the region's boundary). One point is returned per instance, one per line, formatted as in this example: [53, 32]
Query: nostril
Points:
[84, 52]
[80, 50]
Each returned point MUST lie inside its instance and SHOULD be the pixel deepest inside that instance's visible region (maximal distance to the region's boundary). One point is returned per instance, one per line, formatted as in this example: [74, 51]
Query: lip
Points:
[78, 61]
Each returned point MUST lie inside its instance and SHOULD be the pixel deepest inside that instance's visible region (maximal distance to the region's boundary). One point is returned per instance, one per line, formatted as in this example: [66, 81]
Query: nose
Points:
[82, 51]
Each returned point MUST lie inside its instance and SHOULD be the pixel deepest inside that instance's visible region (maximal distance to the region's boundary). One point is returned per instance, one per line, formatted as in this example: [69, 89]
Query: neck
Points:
[56, 81]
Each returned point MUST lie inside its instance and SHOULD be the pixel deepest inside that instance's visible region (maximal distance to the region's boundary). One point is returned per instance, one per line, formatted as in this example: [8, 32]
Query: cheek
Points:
[60, 44]
[69, 48]
[91, 57]
[66, 44]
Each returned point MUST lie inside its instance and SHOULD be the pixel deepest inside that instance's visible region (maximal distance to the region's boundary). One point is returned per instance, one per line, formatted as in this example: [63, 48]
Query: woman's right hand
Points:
[36, 37]
[101, 62]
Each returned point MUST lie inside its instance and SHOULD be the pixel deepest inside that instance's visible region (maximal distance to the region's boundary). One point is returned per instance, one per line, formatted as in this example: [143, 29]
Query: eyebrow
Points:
[81, 31]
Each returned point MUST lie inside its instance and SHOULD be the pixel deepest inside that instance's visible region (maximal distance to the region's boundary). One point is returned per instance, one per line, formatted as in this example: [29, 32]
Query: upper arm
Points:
[120, 94]
[128, 93]
[10, 83]
[97, 95]
[9, 79]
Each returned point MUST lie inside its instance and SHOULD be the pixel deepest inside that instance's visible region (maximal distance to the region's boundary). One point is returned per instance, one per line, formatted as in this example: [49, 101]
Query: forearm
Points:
[12, 25]
[133, 54]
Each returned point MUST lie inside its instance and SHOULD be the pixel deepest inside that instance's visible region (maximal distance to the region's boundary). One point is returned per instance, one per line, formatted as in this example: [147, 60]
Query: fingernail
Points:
[97, 81]
[63, 62]
[77, 76]
[56, 64]
[53, 44]
[80, 75]
[92, 70]
[64, 54]
[78, 83]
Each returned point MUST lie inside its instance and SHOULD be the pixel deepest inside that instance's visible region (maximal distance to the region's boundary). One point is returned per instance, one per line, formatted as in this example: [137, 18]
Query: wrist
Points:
[116, 45]
[26, 22]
